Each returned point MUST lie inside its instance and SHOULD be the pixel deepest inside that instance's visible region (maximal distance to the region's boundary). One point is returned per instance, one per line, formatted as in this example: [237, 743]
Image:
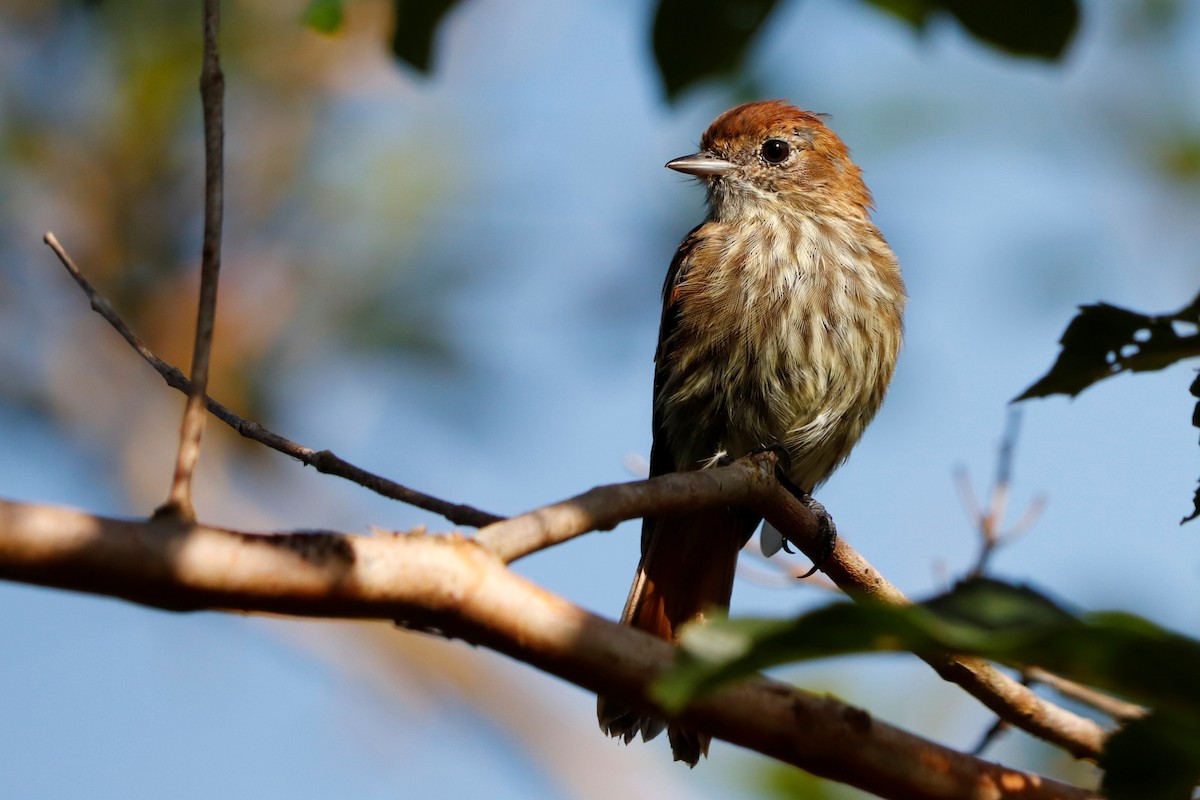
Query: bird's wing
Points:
[661, 461]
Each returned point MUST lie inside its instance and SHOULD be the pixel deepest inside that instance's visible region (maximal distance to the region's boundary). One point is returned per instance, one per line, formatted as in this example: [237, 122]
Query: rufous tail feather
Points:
[686, 571]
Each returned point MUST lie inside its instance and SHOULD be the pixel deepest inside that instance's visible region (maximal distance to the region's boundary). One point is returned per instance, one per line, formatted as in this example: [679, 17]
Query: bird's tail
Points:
[686, 571]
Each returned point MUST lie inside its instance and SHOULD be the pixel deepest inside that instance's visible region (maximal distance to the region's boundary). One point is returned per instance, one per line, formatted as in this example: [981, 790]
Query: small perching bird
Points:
[781, 324]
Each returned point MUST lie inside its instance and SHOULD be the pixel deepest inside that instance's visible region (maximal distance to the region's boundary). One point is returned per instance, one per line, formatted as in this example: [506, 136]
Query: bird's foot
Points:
[826, 529]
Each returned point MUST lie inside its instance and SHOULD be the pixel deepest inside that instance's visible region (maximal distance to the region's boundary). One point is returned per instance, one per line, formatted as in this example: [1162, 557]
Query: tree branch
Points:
[1104, 703]
[212, 96]
[322, 460]
[744, 483]
[751, 482]
[452, 586]
[1008, 698]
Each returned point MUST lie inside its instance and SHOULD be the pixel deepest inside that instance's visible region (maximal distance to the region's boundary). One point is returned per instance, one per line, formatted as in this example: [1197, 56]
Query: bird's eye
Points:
[775, 151]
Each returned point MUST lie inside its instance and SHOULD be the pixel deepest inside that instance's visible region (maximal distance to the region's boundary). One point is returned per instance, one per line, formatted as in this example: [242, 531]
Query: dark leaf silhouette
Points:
[416, 26]
[695, 40]
[1038, 28]
[1153, 758]
[704, 39]
[1104, 340]
[698, 39]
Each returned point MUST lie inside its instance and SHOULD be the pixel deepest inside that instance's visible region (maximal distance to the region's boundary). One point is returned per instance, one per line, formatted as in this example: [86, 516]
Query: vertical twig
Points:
[990, 520]
[1001, 487]
[212, 96]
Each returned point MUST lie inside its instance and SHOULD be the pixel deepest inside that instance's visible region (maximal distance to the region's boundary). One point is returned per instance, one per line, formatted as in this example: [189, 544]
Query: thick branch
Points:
[751, 482]
[451, 585]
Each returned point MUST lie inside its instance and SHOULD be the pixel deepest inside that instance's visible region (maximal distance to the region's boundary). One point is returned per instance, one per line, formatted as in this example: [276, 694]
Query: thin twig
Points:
[1104, 703]
[322, 460]
[450, 585]
[990, 736]
[989, 521]
[212, 95]
[602, 508]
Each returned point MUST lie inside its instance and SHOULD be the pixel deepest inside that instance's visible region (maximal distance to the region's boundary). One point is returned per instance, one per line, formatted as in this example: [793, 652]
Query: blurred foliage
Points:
[1155, 758]
[1036, 28]
[697, 40]
[784, 782]
[416, 26]
[1104, 340]
[1179, 157]
[324, 15]
[100, 130]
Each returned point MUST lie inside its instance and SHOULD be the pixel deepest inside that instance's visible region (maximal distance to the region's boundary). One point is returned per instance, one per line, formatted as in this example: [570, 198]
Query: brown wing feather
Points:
[688, 560]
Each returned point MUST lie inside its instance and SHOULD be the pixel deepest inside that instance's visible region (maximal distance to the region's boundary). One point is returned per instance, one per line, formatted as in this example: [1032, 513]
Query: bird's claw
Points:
[827, 531]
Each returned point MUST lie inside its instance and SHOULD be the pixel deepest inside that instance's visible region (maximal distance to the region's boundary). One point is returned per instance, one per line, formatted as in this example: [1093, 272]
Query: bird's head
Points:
[768, 156]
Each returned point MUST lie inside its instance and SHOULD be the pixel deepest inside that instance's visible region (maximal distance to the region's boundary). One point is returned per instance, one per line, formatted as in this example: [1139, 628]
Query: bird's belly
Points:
[808, 386]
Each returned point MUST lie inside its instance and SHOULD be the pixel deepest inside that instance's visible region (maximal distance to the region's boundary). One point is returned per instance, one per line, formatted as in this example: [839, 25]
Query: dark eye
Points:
[775, 151]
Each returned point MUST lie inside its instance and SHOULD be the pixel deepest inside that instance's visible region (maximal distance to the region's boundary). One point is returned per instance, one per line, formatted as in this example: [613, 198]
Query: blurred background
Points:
[453, 280]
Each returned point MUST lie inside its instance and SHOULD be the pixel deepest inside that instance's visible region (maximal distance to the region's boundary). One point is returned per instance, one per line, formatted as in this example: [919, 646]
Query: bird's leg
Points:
[827, 528]
[781, 470]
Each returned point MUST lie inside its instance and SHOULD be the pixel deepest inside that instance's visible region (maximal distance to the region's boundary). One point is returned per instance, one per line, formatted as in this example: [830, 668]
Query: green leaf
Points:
[1153, 758]
[1104, 340]
[324, 16]
[1037, 28]
[416, 25]
[773, 780]
[699, 39]
[1014, 625]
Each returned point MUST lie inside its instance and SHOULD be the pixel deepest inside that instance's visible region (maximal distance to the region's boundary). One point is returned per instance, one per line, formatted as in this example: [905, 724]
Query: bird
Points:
[781, 324]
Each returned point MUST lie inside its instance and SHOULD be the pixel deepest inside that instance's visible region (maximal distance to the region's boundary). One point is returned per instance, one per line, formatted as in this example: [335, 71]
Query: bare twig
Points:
[1104, 703]
[322, 460]
[450, 585]
[989, 521]
[212, 94]
[990, 736]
